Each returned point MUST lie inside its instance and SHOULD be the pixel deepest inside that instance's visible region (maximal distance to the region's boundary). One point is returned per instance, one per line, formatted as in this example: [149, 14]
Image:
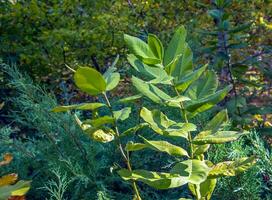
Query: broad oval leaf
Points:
[90, 81]
[197, 106]
[196, 171]
[208, 137]
[203, 87]
[150, 91]
[166, 147]
[141, 49]
[232, 168]
[185, 81]
[158, 180]
[83, 106]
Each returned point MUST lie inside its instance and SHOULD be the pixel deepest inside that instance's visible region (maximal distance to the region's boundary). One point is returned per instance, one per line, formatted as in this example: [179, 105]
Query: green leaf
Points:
[185, 81]
[208, 137]
[204, 190]
[214, 125]
[175, 101]
[164, 126]
[89, 80]
[141, 49]
[196, 171]
[99, 121]
[130, 99]
[134, 129]
[157, 74]
[83, 106]
[166, 147]
[154, 179]
[232, 168]
[156, 46]
[156, 119]
[122, 114]
[112, 81]
[135, 146]
[176, 46]
[18, 189]
[149, 90]
[203, 87]
[103, 135]
[197, 106]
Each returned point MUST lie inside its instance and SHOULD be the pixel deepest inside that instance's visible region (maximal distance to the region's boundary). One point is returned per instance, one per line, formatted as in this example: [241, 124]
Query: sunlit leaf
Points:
[208, 137]
[232, 168]
[103, 135]
[90, 81]
[196, 171]
[154, 179]
[83, 106]
[122, 114]
[97, 122]
[141, 49]
[156, 46]
[166, 147]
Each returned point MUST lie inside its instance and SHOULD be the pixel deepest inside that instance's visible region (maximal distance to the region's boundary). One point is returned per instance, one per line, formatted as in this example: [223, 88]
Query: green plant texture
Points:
[167, 77]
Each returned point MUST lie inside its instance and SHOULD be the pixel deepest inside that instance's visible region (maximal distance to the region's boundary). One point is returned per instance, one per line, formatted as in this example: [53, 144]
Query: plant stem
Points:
[119, 145]
[183, 112]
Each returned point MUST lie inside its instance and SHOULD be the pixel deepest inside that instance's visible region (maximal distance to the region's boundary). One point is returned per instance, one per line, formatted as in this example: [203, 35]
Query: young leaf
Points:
[141, 49]
[196, 171]
[156, 46]
[232, 168]
[122, 114]
[83, 106]
[154, 179]
[176, 46]
[183, 82]
[90, 81]
[112, 81]
[166, 147]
